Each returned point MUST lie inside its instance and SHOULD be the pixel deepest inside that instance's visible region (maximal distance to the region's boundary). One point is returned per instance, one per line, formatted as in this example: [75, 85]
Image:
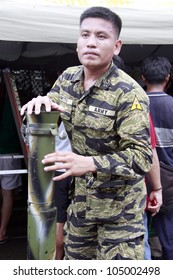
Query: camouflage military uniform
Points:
[110, 123]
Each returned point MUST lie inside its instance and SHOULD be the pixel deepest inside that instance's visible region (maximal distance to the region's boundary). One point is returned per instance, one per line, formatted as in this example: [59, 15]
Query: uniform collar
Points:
[103, 82]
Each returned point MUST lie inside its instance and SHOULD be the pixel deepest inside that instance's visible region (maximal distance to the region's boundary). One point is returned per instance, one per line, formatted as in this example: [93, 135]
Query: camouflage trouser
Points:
[86, 241]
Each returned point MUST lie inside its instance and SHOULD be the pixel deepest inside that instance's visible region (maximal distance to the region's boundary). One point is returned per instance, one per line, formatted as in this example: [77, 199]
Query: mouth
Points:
[90, 54]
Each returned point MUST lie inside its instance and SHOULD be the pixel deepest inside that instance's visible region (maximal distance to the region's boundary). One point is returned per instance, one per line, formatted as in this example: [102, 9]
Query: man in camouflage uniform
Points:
[105, 113]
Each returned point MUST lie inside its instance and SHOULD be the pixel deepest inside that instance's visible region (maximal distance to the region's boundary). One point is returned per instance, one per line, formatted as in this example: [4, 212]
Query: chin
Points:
[90, 63]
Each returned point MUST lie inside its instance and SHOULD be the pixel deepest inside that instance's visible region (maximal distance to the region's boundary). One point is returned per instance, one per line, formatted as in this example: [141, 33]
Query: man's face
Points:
[97, 43]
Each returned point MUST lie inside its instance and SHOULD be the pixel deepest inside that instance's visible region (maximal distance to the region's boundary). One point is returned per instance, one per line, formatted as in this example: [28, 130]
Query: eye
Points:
[101, 36]
[84, 35]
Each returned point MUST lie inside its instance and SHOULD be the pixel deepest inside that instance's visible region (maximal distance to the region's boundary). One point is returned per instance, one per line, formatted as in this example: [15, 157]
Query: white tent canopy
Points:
[53, 21]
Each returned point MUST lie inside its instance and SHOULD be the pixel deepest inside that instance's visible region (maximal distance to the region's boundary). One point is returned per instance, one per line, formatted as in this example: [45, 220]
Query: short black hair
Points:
[119, 62]
[155, 69]
[104, 13]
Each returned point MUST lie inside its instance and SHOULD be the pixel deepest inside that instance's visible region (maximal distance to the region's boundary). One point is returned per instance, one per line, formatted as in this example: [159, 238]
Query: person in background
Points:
[106, 115]
[61, 189]
[119, 62]
[156, 74]
[154, 198]
[9, 146]
[169, 87]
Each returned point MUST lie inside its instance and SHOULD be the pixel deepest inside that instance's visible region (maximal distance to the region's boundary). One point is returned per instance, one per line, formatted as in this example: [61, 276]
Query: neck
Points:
[155, 88]
[91, 75]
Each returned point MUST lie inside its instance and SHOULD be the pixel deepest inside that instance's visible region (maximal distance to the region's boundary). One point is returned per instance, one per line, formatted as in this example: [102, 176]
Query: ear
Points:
[167, 79]
[118, 45]
[77, 49]
[143, 78]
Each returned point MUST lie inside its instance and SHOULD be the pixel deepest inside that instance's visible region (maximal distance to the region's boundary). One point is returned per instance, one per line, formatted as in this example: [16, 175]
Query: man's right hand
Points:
[35, 105]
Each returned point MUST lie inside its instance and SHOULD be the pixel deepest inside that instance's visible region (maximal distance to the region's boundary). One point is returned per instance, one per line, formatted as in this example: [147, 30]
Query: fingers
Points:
[35, 105]
[46, 157]
[63, 176]
[29, 107]
[153, 214]
[23, 109]
[57, 107]
[52, 158]
[156, 211]
[38, 102]
[60, 166]
[58, 162]
[54, 167]
[153, 209]
[57, 153]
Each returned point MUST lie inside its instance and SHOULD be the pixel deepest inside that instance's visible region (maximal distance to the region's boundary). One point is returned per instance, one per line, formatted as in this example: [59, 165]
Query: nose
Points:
[92, 41]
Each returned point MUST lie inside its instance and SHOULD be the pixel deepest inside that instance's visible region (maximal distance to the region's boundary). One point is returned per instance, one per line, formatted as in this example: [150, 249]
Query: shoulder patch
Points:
[136, 104]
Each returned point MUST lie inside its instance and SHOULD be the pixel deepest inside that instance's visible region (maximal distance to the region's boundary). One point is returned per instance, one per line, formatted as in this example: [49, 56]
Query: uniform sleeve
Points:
[134, 155]
[53, 93]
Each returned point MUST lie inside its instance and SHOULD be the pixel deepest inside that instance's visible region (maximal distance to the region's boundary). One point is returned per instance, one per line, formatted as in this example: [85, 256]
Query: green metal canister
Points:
[41, 130]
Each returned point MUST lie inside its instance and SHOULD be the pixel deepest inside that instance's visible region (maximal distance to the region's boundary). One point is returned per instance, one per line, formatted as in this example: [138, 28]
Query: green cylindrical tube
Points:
[41, 131]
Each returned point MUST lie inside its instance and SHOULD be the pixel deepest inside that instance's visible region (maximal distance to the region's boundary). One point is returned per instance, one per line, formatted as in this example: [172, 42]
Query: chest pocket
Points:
[67, 104]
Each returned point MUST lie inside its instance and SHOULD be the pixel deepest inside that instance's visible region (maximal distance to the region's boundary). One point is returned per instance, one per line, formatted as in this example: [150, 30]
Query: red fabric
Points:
[152, 134]
[153, 143]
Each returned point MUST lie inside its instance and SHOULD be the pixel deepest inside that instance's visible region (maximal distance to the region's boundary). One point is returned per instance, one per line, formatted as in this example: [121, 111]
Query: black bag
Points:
[166, 174]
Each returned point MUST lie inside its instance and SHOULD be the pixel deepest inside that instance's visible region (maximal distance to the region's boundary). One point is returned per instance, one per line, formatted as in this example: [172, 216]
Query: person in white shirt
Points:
[62, 200]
